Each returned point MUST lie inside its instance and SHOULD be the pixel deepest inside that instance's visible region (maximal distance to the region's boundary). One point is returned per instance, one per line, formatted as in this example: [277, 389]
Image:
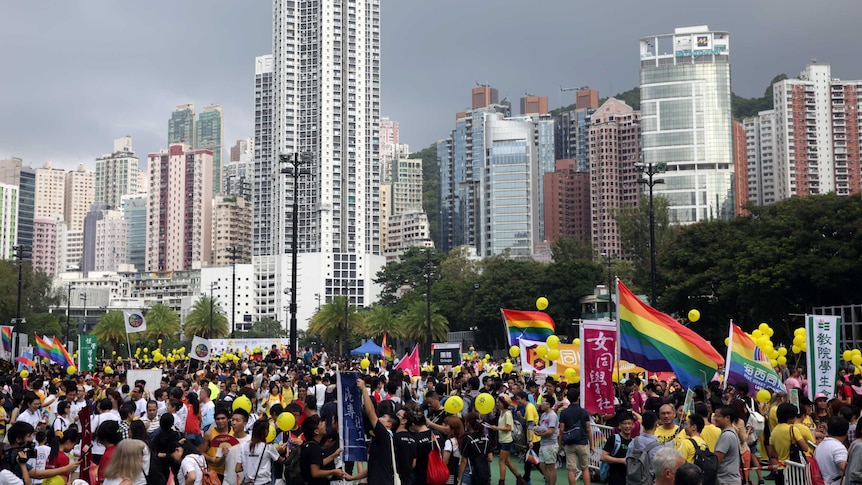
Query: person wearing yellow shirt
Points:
[785, 432]
[531, 416]
[687, 448]
[710, 431]
[286, 392]
[667, 431]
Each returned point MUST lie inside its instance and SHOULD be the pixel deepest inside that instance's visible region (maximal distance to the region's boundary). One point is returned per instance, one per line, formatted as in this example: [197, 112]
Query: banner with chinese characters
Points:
[87, 353]
[822, 337]
[350, 428]
[598, 356]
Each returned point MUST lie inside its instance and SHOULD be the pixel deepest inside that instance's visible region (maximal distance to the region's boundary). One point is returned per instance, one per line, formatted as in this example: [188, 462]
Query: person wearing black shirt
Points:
[424, 445]
[381, 454]
[405, 447]
[615, 456]
[311, 460]
[436, 415]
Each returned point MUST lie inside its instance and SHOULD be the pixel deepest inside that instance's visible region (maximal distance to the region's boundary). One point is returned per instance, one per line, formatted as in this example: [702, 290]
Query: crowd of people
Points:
[190, 428]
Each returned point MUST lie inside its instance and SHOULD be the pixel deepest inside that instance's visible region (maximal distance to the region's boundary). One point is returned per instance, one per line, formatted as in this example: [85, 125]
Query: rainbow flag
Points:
[27, 362]
[658, 343]
[529, 325]
[42, 347]
[747, 363]
[59, 354]
[6, 337]
[385, 351]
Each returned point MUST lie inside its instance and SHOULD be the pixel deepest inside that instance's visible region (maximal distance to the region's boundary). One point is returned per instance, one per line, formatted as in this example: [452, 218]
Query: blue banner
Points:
[351, 430]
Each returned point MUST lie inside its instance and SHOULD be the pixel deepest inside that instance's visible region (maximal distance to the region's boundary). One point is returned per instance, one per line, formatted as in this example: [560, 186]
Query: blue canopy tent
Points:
[368, 347]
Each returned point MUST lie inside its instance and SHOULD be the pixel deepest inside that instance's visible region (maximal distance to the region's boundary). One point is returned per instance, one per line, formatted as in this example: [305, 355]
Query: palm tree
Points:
[329, 322]
[414, 320]
[162, 322]
[111, 330]
[206, 319]
[380, 320]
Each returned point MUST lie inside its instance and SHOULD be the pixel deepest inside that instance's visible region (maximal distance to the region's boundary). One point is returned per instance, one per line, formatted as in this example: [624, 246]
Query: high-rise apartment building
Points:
[210, 136]
[817, 139]
[231, 229]
[327, 109]
[389, 146]
[181, 125]
[242, 150]
[266, 169]
[179, 209]
[13, 172]
[112, 236]
[686, 121]
[118, 174]
[134, 209]
[239, 172]
[50, 196]
[73, 246]
[740, 168]
[765, 177]
[80, 195]
[47, 246]
[402, 219]
[614, 151]
[8, 220]
[567, 203]
[572, 129]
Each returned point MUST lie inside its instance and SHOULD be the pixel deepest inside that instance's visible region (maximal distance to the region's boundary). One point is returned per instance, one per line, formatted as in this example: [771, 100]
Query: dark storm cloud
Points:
[76, 75]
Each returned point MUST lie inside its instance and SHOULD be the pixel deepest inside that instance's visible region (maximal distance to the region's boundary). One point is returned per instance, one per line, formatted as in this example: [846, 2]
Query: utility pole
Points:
[68, 313]
[295, 171]
[234, 253]
[20, 253]
[650, 170]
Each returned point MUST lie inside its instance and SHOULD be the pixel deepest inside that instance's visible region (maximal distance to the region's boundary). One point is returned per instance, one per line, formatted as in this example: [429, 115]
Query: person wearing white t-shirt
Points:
[105, 406]
[318, 390]
[256, 456]
[30, 412]
[831, 455]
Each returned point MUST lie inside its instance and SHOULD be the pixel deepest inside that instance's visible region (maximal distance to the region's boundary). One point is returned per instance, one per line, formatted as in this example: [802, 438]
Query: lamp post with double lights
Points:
[84, 302]
[68, 314]
[234, 252]
[212, 307]
[648, 172]
[21, 252]
[294, 169]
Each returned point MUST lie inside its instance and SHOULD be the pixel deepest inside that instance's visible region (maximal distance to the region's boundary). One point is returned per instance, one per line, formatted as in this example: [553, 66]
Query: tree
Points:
[416, 324]
[162, 322]
[409, 272]
[381, 320]
[267, 328]
[569, 249]
[206, 319]
[330, 322]
[110, 332]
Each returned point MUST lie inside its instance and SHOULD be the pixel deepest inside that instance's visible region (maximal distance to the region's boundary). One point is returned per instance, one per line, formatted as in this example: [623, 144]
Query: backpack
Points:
[480, 469]
[639, 465]
[437, 472]
[292, 472]
[707, 462]
[814, 469]
[576, 435]
[755, 420]
[605, 467]
[210, 476]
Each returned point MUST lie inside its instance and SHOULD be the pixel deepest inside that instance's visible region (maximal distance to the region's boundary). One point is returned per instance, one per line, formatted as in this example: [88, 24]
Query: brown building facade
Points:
[567, 202]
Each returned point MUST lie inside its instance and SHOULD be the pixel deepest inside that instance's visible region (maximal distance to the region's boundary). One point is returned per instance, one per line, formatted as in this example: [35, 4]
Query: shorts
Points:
[577, 457]
[548, 453]
[506, 446]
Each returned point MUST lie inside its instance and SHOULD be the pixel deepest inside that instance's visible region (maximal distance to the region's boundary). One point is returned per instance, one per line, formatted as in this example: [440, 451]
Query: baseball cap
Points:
[821, 395]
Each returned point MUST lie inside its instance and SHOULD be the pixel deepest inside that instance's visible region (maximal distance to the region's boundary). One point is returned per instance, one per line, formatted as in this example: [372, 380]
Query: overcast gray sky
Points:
[75, 74]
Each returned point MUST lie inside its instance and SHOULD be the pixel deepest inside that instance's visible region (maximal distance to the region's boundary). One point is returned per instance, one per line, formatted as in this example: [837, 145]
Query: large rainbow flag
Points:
[658, 343]
[747, 363]
[385, 351]
[6, 337]
[42, 347]
[60, 355]
[529, 325]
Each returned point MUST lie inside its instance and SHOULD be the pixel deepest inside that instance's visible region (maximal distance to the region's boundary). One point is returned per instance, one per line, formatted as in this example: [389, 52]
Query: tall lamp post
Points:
[84, 299]
[212, 307]
[607, 258]
[20, 253]
[649, 171]
[429, 268]
[295, 171]
[234, 252]
[68, 314]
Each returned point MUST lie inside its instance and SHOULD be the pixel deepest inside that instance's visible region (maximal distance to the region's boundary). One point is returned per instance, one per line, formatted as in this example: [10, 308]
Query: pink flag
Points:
[598, 355]
[410, 363]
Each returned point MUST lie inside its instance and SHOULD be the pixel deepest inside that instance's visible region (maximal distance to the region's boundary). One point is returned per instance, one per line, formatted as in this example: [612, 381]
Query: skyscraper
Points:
[179, 209]
[572, 129]
[231, 229]
[50, 191]
[327, 109]
[47, 250]
[8, 220]
[239, 172]
[13, 172]
[134, 209]
[118, 174]
[80, 195]
[181, 125]
[686, 124]
[210, 136]
[266, 168]
[567, 203]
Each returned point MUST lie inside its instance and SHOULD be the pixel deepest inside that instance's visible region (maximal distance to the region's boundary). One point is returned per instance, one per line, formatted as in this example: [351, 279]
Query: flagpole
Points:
[727, 359]
[506, 336]
[617, 284]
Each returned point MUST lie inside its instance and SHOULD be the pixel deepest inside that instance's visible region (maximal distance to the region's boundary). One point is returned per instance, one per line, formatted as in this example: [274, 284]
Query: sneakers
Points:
[519, 480]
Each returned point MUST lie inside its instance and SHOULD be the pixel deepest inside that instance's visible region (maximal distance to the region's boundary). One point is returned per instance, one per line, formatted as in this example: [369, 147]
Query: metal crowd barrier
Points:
[796, 473]
[601, 433]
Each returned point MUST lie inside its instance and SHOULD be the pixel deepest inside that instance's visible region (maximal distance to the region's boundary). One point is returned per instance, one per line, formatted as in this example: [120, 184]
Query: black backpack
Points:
[292, 471]
[480, 469]
[707, 462]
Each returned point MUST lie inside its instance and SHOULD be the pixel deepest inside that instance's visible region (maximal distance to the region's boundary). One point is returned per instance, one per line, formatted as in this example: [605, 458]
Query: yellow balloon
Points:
[314, 371]
[507, 367]
[113, 352]
[773, 362]
[270, 437]
[160, 341]
[484, 403]
[514, 351]
[693, 315]
[799, 332]
[782, 351]
[847, 355]
[770, 332]
[454, 405]
[541, 303]
[71, 370]
[119, 359]
[541, 351]
[764, 328]
[146, 349]
[571, 374]
[553, 342]
[615, 377]
[856, 352]
[24, 373]
[726, 341]
[242, 402]
[763, 396]
[364, 363]
[108, 370]
[781, 360]
[553, 354]
[487, 356]
[456, 369]
[577, 342]
[857, 360]
[756, 334]
[577, 378]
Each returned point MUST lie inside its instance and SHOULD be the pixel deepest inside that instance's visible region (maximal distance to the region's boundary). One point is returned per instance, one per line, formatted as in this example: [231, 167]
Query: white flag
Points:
[201, 349]
[134, 321]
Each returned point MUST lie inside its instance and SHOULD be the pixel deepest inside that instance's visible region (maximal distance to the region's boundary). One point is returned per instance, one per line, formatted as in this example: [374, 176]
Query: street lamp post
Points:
[212, 308]
[68, 313]
[650, 170]
[84, 299]
[607, 258]
[234, 253]
[428, 275]
[20, 253]
[294, 171]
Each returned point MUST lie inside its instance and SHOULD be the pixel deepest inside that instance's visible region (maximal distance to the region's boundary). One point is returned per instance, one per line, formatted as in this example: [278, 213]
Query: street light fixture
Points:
[234, 252]
[429, 274]
[20, 253]
[294, 170]
[212, 307]
[68, 313]
[650, 170]
[84, 299]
